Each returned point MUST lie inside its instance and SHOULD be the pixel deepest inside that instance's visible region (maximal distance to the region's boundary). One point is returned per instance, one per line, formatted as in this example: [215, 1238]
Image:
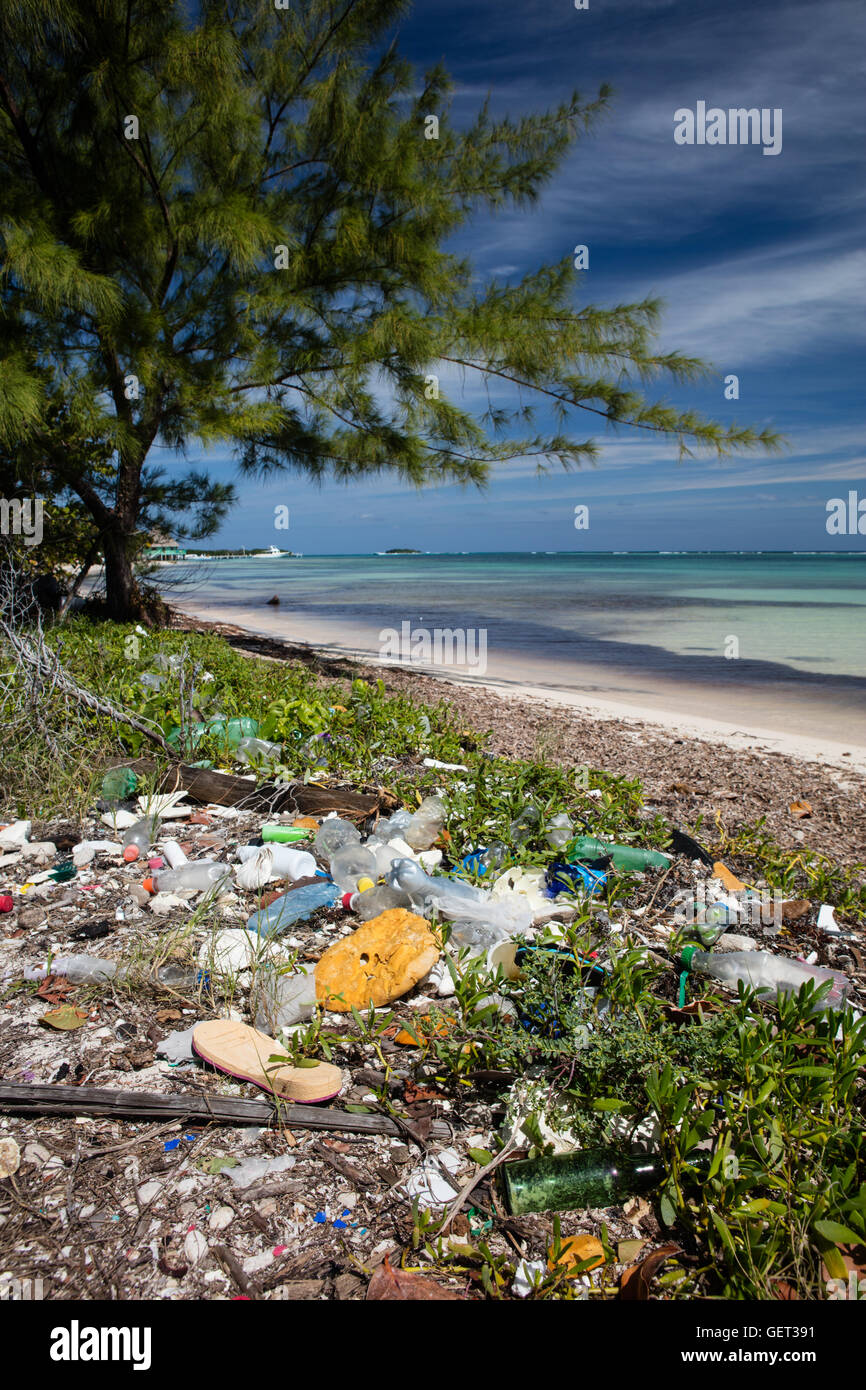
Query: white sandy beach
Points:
[756, 717]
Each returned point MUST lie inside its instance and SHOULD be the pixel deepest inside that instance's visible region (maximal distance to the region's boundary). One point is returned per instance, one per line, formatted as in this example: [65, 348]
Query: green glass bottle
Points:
[588, 1178]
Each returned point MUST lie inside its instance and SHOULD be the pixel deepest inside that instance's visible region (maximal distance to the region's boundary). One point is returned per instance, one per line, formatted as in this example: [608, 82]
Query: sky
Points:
[759, 259]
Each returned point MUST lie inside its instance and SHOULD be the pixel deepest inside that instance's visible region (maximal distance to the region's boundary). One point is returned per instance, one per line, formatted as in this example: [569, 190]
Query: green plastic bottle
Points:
[588, 1178]
[284, 834]
[586, 849]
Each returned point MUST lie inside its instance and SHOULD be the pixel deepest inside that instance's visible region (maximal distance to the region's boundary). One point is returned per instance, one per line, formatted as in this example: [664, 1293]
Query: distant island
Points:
[400, 550]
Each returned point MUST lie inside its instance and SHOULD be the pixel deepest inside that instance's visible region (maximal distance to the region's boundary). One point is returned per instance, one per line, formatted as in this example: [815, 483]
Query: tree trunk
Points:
[123, 598]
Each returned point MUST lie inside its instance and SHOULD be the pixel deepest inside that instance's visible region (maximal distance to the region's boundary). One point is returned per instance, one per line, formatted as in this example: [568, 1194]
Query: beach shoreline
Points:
[672, 709]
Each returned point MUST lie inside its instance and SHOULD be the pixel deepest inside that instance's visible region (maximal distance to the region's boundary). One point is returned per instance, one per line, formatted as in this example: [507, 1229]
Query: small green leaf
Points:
[839, 1234]
[666, 1207]
[610, 1103]
[359, 1110]
[480, 1156]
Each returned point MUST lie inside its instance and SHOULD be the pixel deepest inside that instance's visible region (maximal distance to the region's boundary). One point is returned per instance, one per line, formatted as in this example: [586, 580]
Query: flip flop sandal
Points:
[241, 1051]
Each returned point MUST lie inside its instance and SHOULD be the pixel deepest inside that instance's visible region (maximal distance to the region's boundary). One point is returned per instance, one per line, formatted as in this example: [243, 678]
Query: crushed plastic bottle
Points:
[381, 898]
[427, 824]
[526, 826]
[461, 901]
[250, 750]
[295, 906]
[559, 831]
[769, 974]
[195, 876]
[282, 1000]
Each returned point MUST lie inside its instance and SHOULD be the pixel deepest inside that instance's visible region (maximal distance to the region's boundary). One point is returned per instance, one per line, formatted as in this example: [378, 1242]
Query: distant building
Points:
[163, 547]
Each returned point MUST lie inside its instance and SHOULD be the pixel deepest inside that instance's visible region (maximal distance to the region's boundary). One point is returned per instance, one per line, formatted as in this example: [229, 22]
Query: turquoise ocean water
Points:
[796, 618]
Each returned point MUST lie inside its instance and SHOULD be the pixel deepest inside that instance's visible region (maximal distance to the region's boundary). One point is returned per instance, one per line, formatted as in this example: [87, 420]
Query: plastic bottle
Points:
[285, 834]
[482, 861]
[118, 783]
[295, 906]
[197, 875]
[459, 900]
[333, 834]
[354, 867]
[767, 973]
[426, 825]
[588, 850]
[588, 1178]
[251, 750]
[369, 904]
[526, 825]
[285, 861]
[83, 970]
[138, 839]
[179, 978]
[559, 831]
[283, 1000]
[396, 825]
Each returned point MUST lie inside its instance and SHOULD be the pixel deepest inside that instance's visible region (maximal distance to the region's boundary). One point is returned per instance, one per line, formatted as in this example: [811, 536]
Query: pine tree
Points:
[230, 230]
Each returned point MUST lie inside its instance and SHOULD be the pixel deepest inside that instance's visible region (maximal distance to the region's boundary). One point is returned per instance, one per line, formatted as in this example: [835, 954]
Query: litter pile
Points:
[206, 979]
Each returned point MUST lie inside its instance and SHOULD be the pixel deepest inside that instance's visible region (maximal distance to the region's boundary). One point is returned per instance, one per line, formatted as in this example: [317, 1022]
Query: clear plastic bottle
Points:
[195, 876]
[559, 830]
[369, 904]
[352, 865]
[282, 1000]
[767, 973]
[409, 876]
[527, 825]
[396, 825]
[333, 834]
[84, 970]
[460, 901]
[138, 839]
[426, 825]
[251, 750]
[295, 906]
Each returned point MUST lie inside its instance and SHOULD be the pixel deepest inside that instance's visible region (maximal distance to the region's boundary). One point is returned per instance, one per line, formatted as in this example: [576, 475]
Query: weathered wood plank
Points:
[23, 1098]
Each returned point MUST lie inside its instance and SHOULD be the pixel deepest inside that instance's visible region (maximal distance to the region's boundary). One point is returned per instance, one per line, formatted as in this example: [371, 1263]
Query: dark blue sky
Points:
[759, 260]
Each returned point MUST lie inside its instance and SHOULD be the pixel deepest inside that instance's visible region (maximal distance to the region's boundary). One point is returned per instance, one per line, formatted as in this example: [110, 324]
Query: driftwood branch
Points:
[46, 666]
[224, 789]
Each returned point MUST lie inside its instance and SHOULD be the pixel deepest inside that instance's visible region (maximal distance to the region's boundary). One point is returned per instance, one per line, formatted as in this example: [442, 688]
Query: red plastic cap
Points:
[130, 853]
[346, 900]
[6, 903]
